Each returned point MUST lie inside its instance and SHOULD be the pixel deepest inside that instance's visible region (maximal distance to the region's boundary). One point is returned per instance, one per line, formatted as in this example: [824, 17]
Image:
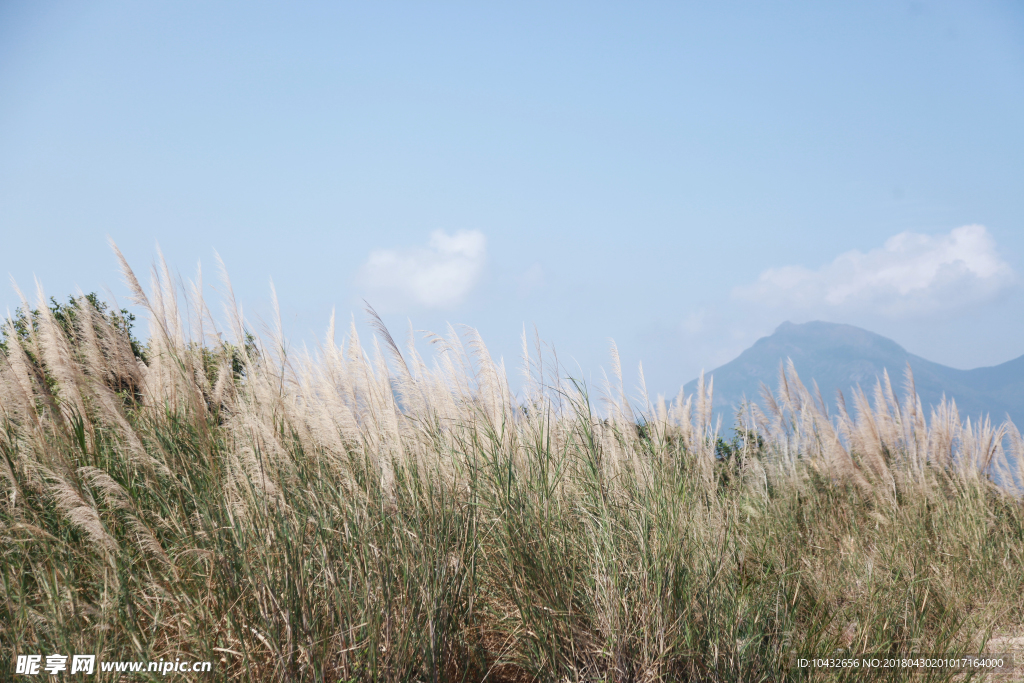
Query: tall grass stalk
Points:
[357, 514]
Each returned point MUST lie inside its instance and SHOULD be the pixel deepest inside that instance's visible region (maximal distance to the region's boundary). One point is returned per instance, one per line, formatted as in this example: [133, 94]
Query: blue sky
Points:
[679, 177]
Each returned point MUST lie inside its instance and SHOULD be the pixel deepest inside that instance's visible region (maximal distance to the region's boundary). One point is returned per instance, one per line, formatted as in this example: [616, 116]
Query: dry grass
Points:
[355, 514]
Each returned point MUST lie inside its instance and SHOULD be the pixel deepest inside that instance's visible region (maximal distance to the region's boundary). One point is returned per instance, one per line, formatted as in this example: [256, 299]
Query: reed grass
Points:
[352, 514]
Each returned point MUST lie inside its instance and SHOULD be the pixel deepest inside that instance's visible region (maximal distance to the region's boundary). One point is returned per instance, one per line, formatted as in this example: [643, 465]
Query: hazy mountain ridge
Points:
[840, 357]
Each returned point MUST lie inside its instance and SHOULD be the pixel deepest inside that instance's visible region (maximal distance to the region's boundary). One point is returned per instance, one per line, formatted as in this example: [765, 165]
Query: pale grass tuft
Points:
[358, 511]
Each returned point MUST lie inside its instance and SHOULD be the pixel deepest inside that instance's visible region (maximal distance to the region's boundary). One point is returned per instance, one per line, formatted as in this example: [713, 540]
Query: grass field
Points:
[367, 514]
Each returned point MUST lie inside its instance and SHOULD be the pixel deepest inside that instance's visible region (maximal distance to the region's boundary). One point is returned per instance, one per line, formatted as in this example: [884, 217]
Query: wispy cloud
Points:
[911, 274]
[439, 275]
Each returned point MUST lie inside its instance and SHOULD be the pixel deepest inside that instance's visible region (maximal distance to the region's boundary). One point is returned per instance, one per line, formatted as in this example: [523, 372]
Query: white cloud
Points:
[439, 275]
[911, 274]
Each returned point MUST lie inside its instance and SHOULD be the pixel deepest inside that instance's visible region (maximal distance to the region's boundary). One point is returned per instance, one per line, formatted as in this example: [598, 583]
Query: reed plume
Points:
[367, 512]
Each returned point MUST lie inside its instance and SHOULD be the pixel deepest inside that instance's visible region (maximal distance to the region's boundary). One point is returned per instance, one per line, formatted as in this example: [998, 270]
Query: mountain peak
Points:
[817, 337]
[840, 357]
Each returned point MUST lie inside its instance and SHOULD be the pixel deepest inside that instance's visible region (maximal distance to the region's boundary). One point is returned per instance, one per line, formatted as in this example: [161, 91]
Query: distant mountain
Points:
[840, 357]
